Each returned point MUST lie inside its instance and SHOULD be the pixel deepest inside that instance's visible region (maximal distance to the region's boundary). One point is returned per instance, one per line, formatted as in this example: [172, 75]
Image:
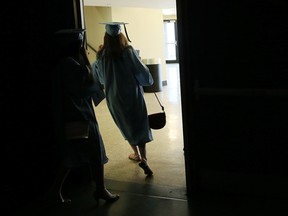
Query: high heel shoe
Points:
[146, 168]
[105, 195]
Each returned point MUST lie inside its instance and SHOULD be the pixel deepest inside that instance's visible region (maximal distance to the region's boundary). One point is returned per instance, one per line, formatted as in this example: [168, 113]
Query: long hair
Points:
[114, 45]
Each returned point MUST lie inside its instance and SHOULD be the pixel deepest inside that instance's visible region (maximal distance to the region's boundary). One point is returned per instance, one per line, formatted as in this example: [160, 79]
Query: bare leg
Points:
[58, 184]
[135, 149]
[135, 156]
[65, 174]
[142, 152]
[101, 191]
[144, 164]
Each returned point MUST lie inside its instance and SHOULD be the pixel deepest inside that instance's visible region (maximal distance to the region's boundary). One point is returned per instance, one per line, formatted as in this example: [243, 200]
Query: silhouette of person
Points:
[76, 127]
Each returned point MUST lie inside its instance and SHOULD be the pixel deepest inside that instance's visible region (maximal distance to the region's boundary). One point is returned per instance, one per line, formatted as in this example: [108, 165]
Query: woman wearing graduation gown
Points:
[119, 68]
[76, 127]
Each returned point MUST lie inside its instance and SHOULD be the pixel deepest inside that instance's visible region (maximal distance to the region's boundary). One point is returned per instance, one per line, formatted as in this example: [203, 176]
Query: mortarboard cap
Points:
[114, 28]
[68, 36]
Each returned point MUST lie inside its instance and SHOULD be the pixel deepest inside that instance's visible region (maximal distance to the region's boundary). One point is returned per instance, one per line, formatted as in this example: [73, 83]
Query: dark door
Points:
[233, 73]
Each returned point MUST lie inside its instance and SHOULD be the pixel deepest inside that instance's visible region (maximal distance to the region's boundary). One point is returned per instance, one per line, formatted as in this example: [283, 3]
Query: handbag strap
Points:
[159, 102]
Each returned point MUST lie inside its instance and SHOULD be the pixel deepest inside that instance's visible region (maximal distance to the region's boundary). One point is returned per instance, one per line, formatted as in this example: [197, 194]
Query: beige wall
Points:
[169, 17]
[94, 30]
[145, 30]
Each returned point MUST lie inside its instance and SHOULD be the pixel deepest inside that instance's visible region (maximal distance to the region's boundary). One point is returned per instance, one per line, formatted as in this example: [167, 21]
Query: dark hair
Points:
[114, 45]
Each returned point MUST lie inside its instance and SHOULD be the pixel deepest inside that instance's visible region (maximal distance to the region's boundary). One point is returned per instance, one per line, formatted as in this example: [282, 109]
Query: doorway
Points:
[165, 152]
[171, 38]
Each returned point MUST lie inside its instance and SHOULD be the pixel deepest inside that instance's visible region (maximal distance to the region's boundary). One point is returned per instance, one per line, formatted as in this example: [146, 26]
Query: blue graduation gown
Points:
[123, 80]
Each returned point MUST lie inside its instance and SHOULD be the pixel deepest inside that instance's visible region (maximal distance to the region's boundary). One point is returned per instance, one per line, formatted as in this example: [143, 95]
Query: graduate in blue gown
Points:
[119, 68]
[76, 128]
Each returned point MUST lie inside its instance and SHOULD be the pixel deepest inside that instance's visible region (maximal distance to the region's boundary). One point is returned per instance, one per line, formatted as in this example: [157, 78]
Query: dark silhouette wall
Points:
[29, 155]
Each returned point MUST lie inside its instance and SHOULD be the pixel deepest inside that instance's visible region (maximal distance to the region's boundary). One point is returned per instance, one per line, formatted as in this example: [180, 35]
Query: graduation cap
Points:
[114, 28]
[68, 36]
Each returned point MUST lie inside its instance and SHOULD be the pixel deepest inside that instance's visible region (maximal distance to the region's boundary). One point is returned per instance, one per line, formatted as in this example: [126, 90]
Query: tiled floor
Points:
[135, 199]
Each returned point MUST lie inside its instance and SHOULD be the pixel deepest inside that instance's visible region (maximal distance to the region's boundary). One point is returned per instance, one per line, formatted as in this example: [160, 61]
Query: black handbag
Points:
[157, 120]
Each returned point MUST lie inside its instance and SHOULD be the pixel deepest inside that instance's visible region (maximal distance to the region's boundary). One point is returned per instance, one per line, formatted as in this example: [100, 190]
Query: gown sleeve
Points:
[96, 68]
[141, 71]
